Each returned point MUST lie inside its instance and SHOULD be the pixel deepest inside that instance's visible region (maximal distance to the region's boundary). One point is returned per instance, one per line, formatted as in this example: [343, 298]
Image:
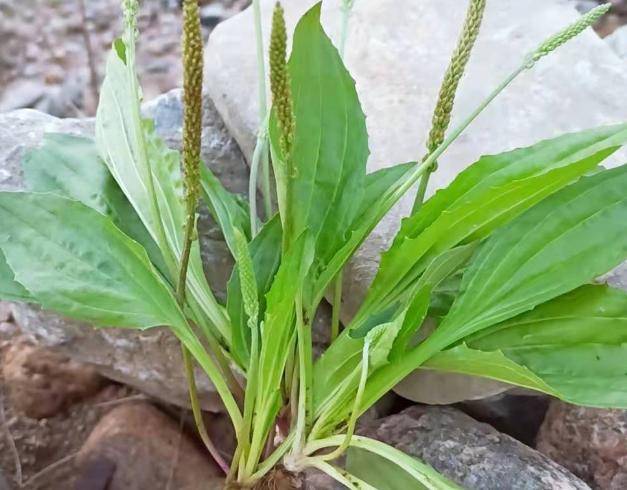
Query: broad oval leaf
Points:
[327, 166]
[483, 197]
[10, 289]
[565, 241]
[70, 166]
[74, 260]
[149, 175]
[575, 345]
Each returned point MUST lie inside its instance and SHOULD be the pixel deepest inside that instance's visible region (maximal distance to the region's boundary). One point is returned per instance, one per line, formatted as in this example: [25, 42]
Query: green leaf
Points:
[327, 166]
[278, 326]
[485, 196]
[575, 343]
[71, 167]
[567, 240]
[265, 251]
[10, 289]
[377, 183]
[230, 212]
[149, 174]
[488, 364]
[343, 356]
[387, 468]
[75, 261]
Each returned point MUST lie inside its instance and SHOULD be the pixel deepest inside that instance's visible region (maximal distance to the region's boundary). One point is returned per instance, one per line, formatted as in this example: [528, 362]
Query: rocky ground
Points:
[52, 52]
[64, 425]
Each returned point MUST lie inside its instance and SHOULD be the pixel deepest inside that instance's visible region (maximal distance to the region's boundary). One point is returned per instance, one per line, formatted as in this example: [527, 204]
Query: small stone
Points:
[42, 383]
[590, 442]
[136, 446]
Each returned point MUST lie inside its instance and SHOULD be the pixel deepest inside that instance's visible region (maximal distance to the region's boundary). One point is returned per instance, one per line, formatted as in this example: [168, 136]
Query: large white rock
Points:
[397, 52]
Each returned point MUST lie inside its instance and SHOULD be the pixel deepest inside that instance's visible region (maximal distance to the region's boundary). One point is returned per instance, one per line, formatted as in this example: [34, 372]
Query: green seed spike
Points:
[459, 60]
[247, 280]
[192, 99]
[280, 81]
[568, 33]
[130, 8]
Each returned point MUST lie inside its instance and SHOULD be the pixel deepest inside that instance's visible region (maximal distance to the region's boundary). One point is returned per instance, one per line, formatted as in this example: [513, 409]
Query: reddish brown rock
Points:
[137, 447]
[590, 442]
[41, 383]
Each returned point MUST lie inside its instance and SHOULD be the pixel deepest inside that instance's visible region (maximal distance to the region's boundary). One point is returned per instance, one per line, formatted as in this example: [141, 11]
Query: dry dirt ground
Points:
[52, 52]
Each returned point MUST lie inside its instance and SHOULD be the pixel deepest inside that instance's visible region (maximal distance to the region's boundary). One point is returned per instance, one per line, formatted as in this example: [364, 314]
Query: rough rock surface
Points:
[590, 442]
[41, 383]
[471, 453]
[397, 57]
[149, 360]
[136, 447]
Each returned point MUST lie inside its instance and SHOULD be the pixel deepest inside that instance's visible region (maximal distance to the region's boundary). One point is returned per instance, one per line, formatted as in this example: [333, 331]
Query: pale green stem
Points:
[249, 400]
[268, 464]
[304, 370]
[422, 472]
[260, 155]
[414, 174]
[422, 190]
[347, 6]
[197, 411]
[352, 421]
[195, 347]
[341, 476]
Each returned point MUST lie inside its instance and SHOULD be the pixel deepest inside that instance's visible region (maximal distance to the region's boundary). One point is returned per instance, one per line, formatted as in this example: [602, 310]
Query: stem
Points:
[347, 6]
[249, 401]
[197, 411]
[304, 374]
[352, 421]
[195, 347]
[337, 305]
[260, 155]
[422, 190]
[187, 359]
[412, 176]
[342, 476]
[271, 461]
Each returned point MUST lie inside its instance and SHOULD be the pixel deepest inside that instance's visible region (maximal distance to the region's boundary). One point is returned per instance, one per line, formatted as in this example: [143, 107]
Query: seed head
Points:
[248, 284]
[130, 8]
[568, 33]
[454, 72]
[192, 101]
[280, 80]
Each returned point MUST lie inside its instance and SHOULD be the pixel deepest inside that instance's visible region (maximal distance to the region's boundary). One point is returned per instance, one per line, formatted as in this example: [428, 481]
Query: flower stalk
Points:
[192, 130]
[448, 89]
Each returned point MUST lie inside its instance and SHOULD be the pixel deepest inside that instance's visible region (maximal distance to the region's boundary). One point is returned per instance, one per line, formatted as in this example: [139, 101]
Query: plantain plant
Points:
[503, 260]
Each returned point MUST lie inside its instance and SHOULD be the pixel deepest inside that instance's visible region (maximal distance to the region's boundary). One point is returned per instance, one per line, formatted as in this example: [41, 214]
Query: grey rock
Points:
[590, 442]
[148, 360]
[3, 482]
[471, 453]
[518, 414]
[618, 42]
[397, 57]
